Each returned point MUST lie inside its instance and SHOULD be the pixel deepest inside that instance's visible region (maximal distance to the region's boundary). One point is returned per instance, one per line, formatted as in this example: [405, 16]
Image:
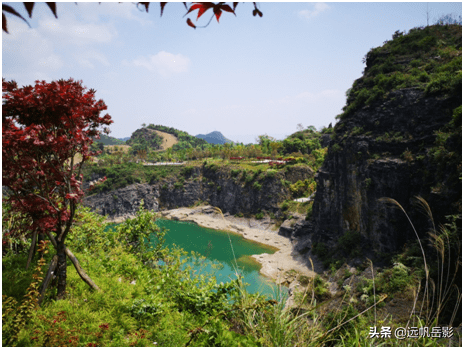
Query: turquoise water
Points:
[216, 247]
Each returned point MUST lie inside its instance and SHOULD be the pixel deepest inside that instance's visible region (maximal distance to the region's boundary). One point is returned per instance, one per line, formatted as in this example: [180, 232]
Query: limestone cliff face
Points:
[390, 157]
[213, 185]
[124, 202]
[399, 137]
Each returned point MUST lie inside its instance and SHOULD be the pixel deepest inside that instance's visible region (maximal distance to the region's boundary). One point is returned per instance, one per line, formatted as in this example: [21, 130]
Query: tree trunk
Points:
[78, 267]
[61, 270]
[48, 277]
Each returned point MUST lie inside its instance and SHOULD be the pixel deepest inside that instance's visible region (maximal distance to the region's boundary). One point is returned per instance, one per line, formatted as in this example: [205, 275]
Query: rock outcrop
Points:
[389, 147]
[203, 184]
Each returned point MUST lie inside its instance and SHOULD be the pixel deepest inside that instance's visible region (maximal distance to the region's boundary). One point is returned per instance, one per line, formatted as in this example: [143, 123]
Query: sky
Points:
[245, 76]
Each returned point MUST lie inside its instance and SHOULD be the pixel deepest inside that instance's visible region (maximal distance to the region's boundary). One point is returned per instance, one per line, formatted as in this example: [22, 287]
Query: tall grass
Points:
[438, 291]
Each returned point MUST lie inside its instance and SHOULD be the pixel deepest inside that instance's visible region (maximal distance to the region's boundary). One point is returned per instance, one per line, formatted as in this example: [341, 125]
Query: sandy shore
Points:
[272, 265]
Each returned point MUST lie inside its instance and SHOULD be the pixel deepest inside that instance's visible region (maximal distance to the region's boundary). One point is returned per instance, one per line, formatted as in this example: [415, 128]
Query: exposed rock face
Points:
[362, 168]
[215, 186]
[124, 201]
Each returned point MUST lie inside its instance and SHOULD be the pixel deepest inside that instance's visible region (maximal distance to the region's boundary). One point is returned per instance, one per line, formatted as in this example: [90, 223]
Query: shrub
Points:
[350, 243]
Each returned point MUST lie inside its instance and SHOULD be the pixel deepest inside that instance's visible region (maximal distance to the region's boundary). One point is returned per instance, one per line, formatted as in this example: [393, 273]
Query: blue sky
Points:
[245, 76]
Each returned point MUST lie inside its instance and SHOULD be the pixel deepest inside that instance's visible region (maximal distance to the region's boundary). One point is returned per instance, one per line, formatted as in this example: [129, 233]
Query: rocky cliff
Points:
[399, 137]
[218, 186]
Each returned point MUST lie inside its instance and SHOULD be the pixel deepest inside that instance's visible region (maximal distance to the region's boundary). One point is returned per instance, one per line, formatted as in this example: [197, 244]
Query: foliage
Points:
[44, 127]
[410, 61]
[143, 236]
[304, 142]
[185, 140]
[14, 317]
[350, 243]
[107, 140]
[144, 138]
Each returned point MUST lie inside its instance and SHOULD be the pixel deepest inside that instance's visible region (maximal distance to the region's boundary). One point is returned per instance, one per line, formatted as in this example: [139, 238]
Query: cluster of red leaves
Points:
[137, 337]
[44, 127]
[99, 181]
[55, 335]
[276, 163]
[236, 158]
[104, 326]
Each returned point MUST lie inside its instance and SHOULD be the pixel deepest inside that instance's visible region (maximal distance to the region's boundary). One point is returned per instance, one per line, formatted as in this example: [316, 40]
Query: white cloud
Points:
[164, 63]
[93, 12]
[318, 8]
[88, 58]
[68, 30]
[28, 53]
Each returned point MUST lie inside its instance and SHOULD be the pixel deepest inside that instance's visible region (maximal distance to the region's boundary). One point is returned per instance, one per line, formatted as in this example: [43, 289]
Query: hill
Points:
[214, 137]
[184, 140]
[145, 138]
[107, 140]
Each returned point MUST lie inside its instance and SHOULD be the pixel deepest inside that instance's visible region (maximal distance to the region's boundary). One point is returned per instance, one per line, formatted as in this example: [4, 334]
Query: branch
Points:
[78, 267]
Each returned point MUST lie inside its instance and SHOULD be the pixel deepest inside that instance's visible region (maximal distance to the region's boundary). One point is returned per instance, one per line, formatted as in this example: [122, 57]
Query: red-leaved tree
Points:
[46, 136]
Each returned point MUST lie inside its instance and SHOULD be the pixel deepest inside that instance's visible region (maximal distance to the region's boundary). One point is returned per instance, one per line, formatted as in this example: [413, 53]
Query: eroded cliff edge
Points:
[399, 137]
[217, 186]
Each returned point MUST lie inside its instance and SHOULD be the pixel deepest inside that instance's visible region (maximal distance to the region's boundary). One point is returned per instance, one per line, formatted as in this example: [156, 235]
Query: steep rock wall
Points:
[383, 151]
[213, 185]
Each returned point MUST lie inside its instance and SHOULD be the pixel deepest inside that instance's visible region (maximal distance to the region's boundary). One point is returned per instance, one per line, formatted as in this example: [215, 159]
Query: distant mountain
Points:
[214, 137]
[107, 140]
[124, 139]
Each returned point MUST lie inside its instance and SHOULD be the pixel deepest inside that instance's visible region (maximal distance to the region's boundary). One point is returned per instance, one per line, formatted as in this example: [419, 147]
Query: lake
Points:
[216, 247]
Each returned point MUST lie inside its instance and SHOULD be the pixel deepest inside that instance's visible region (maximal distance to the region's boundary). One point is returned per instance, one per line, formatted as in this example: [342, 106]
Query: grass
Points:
[169, 304]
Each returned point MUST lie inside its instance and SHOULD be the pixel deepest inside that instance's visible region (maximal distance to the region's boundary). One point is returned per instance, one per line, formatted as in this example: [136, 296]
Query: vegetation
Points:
[107, 140]
[152, 297]
[410, 60]
[185, 141]
[144, 139]
[45, 127]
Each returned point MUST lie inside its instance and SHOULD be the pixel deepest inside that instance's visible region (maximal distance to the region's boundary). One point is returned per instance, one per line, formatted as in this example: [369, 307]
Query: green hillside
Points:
[185, 140]
[107, 140]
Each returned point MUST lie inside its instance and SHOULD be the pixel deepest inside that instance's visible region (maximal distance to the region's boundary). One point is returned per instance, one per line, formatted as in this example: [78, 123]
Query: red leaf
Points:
[162, 4]
[52, 7]
[201, 7]
[218, 14]
[11, 10]
[227, 8]
[146, 4]
[4, 23]
[193, 8]
[190, 23]
[29, 6]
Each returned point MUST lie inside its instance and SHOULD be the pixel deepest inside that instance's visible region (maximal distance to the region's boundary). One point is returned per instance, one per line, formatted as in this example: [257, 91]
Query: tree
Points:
[202, 7]
[46, 139]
